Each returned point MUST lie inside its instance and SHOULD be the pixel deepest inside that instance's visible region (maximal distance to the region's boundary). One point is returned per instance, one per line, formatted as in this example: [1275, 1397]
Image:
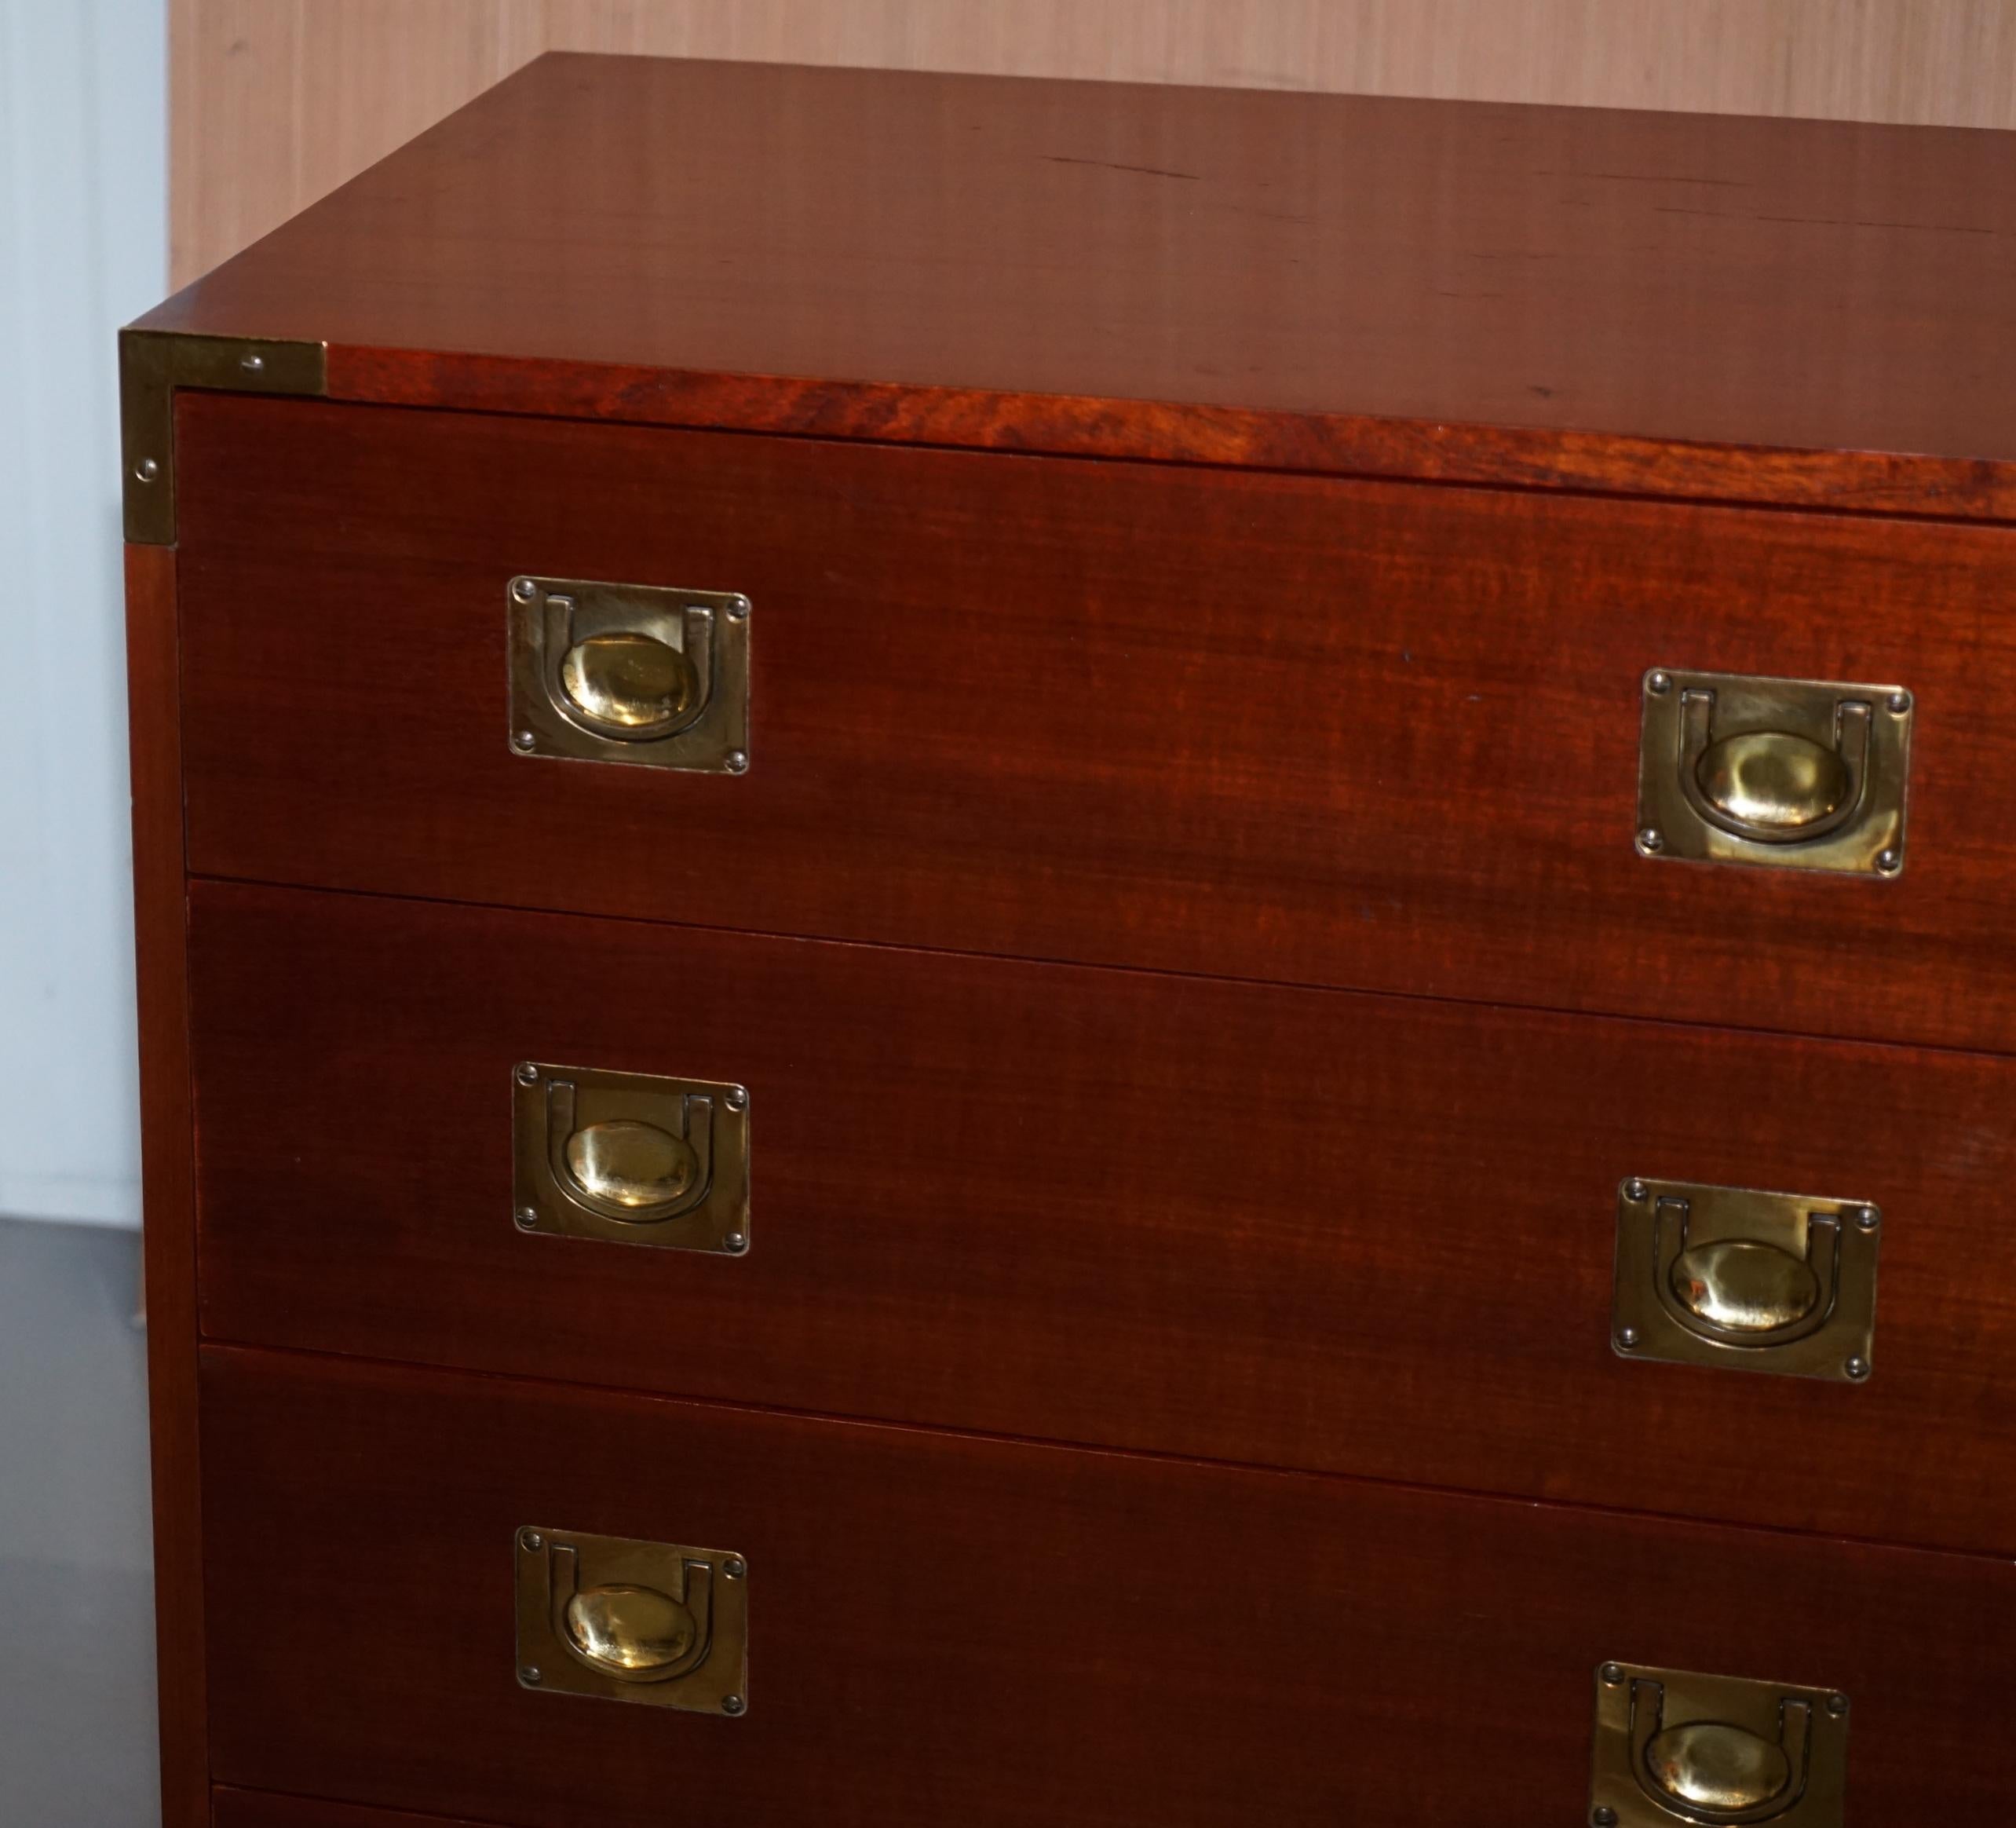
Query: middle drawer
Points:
[1304, 1228]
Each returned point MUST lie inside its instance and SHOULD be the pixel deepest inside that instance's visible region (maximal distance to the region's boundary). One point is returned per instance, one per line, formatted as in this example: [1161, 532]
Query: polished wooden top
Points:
[1785, 310]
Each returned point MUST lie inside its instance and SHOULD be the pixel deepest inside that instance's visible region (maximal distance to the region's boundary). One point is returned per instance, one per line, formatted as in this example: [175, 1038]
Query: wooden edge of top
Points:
[155, 361]
[1324, 444]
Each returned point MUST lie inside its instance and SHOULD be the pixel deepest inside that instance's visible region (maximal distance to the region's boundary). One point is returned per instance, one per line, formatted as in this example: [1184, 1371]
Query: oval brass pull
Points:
[636, 673]
[1745, 1279]
[1744, 1286]
[644, 1624]
[1713, 1766]
[1772, 786]
[1675, 1747]
[636, 1633]
[633, 682]
[1741, 1291]
[1774, 781]
[627, 1169]
[631, 1165]
[630, 1631]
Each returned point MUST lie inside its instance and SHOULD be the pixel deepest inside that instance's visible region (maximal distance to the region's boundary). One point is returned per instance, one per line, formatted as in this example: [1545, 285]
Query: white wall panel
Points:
[83, 160]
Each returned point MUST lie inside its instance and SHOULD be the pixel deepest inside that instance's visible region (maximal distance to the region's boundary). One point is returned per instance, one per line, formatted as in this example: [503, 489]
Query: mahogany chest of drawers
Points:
[1026, 953]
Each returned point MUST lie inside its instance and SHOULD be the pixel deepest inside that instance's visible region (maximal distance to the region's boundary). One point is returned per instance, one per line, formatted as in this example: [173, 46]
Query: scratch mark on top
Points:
[1829, 222]
[1655, 177]
[1110, 165]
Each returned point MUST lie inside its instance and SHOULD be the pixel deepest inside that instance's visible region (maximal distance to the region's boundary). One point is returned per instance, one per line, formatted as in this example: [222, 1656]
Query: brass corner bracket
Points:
[152, 364]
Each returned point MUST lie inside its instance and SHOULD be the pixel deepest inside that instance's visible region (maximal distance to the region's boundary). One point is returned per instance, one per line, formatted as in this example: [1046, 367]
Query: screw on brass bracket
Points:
[152, 364]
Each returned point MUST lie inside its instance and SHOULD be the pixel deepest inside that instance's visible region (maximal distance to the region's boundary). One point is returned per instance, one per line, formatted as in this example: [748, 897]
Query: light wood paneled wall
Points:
[274, 102]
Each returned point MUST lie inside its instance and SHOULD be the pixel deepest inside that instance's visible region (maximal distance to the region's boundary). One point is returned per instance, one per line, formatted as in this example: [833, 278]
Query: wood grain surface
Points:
[1810, 313]
[167, 1177]
[946, 1628]
[1359, 1234]
[276, 102]
[242, 1808]
[1378, 736]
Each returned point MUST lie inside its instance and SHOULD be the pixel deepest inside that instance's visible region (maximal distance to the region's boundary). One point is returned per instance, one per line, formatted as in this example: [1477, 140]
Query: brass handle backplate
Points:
[630, 673]
[1715, 1751]
[1745, 1280]
[655, 1623]
[1798, 773]
[631, 1157]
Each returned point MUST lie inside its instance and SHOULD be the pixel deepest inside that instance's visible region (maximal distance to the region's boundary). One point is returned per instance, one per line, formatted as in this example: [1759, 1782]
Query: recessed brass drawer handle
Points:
[631, 1156]
[1746, 1280]
[1671, 1745]
[630, 1620]
[1799, 772]
[630, 673]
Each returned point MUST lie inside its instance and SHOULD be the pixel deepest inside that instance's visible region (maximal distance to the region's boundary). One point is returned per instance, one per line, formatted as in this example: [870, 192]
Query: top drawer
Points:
[1373, 735]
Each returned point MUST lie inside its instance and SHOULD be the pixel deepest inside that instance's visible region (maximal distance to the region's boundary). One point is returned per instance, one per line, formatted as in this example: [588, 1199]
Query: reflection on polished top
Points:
[1807, 286]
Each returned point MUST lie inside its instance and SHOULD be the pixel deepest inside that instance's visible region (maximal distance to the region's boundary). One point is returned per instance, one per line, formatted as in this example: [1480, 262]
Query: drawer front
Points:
[1337, 1231]
[1379, 735]
[943, 1627]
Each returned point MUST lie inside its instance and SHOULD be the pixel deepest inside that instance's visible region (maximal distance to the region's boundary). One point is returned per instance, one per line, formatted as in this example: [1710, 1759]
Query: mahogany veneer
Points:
[1365, 734]
[1810, 312]
[1180, 928]
[957, 1628]
[239, 1808]
[1198, 1217]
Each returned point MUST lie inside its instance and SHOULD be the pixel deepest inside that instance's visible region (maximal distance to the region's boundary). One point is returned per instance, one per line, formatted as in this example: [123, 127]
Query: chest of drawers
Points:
[972, 916]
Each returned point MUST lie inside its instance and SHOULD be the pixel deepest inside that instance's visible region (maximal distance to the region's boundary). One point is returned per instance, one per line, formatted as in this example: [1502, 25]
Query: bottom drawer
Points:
[948, 1628]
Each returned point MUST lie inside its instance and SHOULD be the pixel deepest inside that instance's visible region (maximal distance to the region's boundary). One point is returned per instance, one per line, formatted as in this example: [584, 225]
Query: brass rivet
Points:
[1856, 1367]
[737, 1098]
[147, 469]
[1604, 1817]
[253, 364]
[528, 1219]
[733, 1704]
[1837, 1705]
[1613, 1674]
[525, 590]
[531, 1541]
[1627, 1337]
[523, 739]
[734, 1244]
[738, 611]
[1890, 862]
[528, 1074]
[735, 1567]
[1651, 839]
[1867, 1218]
[738, 762]
[1660, 682]
[529, 1676]
[1899, 703]
[1635, 1189]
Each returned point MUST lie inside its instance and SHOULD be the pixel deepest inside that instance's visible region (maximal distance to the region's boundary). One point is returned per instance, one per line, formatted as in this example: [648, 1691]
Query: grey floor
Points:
[76, 1587]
